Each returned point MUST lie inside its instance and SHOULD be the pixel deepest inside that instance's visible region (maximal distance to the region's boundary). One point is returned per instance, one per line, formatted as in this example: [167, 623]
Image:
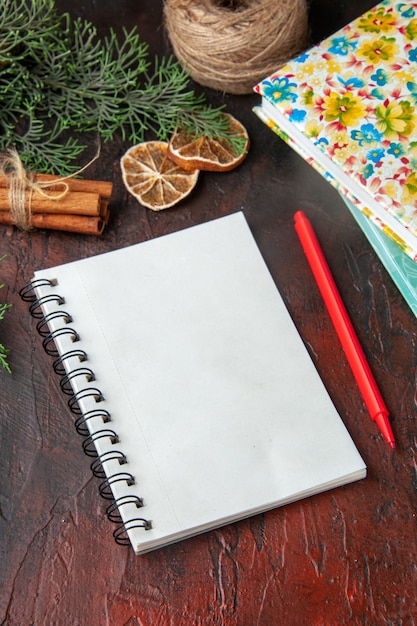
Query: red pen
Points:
[343, 326]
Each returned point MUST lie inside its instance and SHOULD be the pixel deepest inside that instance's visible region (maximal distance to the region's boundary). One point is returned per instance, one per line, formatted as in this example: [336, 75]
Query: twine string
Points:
[231, 45]
[22, 185]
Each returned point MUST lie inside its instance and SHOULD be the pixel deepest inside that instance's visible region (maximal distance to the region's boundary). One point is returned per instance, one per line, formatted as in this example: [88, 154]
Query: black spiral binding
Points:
[98, 463]
[58, 364]
[27, 294]
[120, 533]
[65, 382]
[81, 421]
[42, 325]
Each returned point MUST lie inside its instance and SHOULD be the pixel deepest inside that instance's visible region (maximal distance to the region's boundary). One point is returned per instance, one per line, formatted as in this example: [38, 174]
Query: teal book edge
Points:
[401, 268]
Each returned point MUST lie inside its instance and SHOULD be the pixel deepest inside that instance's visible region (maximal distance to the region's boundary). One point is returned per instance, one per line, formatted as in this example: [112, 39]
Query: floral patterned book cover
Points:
[349, 107]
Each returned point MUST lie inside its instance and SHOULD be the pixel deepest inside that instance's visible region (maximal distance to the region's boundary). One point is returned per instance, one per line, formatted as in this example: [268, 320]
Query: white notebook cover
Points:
[217, 405]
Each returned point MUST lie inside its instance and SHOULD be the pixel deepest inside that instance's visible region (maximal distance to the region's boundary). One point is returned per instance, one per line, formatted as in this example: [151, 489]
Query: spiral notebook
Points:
[197, 399]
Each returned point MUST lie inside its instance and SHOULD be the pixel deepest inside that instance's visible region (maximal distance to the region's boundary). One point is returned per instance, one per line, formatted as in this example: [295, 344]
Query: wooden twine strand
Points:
[22, 185]
[231, 45]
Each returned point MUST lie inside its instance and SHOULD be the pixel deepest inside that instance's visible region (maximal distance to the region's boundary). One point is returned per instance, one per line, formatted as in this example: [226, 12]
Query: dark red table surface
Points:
[347, 556]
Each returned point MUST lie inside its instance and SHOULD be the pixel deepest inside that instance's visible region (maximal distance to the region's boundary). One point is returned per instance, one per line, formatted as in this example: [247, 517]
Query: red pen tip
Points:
[392, 444]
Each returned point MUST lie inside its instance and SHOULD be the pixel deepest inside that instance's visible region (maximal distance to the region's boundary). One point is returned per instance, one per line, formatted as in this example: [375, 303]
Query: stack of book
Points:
[348, 106]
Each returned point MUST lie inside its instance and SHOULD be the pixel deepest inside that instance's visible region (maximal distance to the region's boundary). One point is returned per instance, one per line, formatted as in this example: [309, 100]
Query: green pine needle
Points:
[58, 77]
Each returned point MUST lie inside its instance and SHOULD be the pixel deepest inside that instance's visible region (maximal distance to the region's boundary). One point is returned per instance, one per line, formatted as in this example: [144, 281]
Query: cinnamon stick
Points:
[103, 188]
[83, 208]
[74, 202]
[83, 224]
[104, 211]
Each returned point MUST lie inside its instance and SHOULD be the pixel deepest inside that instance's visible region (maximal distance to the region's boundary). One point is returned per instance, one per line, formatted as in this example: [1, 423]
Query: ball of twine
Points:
[231, 45]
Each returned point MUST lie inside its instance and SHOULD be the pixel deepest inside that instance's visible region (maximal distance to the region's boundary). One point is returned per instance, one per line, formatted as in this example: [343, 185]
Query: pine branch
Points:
[49, 150]
[21, 26]
[57, 75]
